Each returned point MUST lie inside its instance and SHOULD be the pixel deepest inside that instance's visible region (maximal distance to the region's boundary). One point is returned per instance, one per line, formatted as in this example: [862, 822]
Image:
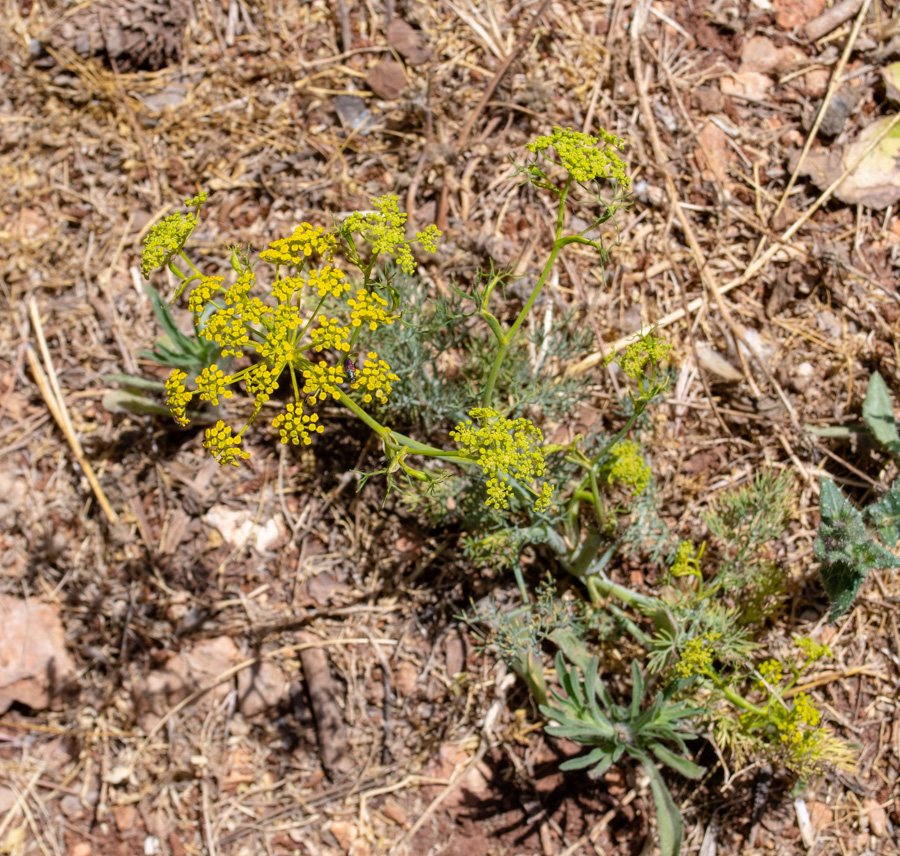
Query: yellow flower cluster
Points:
[794, 724]
[579, 156]
[697, 656]
[330, 334]
[772, 672]
[283, 290]
[646, 350]
[225, 448]
[687, 560]
[375, 376]
[503, 448]
[322, 380]
[227, 329]
[178, 396]
[369, 306]
[813, 650]
[262, 381]
[294, 426]
[203, 292]
[211, 384]
[241, 288]
[295, 250]
[329, 280]
[628, 466]
[275, 328]
[385, 230]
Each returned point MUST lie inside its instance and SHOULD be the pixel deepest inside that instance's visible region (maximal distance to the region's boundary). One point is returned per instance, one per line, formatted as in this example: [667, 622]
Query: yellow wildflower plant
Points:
[278, 325]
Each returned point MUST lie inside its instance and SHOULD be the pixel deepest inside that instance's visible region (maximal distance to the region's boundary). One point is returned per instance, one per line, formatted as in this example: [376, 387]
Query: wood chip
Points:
[387, 79]
[408, 42]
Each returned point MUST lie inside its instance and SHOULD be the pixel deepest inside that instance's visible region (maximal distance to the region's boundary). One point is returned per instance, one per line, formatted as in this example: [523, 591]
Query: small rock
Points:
[238, 527]
[72, 807]
[185, 673]
[394, 811]
[795, 13]
[747, 84]
[125, 816]
[820, 815]
[34, 662]
[261, 688]
[345, 833]
[759, 54]
[802, 377]
[82, 848]
[406, 676]
[877, 816]
[387, 79]
[708, 100]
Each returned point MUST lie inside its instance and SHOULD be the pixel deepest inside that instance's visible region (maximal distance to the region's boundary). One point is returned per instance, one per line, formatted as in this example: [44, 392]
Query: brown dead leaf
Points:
[408, 42]
[387, 79]
[34, 662]
[875, 182]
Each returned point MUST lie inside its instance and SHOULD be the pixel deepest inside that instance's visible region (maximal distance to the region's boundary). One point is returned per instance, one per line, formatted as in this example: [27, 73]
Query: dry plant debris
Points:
[780, 297]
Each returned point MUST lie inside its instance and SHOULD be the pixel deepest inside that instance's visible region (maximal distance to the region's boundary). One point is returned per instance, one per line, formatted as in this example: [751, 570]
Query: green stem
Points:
[740, 701]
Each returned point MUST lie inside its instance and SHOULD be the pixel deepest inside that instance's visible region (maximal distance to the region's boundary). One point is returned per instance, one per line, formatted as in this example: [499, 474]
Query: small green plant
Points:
[174, 350]
[294, 320]
[851, 542]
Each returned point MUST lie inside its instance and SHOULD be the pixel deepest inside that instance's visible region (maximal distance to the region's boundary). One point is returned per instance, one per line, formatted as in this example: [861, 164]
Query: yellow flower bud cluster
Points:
[305, 240]
[225, 448]
[369, 307]
[374, 377]
[211, 384]
[628, 466]
[385, 229]
[178, 396]
[503, 448]
[294, 426]
[203, 292]
[697, 656]
[330, 334]
[322, 380]
[579, 156]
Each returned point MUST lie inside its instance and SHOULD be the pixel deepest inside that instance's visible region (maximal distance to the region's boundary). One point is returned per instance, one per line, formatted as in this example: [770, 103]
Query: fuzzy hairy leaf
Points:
[845, 549]
[878, 412]
[884, 515]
